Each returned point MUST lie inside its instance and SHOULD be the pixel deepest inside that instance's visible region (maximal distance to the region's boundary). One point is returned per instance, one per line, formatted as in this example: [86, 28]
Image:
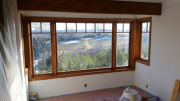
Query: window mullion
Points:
[114, 27]
[53, 48]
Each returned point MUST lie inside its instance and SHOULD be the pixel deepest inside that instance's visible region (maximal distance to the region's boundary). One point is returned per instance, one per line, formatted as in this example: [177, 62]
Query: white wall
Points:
[165, 53]
[69, 85]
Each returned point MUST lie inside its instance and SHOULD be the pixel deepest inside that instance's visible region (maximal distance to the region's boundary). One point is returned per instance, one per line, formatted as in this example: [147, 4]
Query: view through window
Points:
[89, 48]
[145, 40]
[41, 42]
[122, 50]
[80, 46]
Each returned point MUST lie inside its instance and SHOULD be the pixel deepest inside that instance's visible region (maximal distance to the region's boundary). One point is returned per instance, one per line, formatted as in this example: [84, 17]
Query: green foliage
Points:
[121, 57]
[145, 45]
[79, 62]
[144, 51]
[44, 65]
[69, 62]
[40, 45]
[42, 53]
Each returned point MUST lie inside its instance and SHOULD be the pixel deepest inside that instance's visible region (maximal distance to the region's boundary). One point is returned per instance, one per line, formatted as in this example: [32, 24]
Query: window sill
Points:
[143, 61]
[79, 73]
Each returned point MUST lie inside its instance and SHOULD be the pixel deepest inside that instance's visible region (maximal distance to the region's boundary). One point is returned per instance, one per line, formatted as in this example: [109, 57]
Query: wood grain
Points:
[139, 39]
[63, 75]
[80, 20]
[91, 6]
[175, 90]
[114, 38]
[27, 48]
[131, 45]
[1, 12]
[55, 73]
[54, 48]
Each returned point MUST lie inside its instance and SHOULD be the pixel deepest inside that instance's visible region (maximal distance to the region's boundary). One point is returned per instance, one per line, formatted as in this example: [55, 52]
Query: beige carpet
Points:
[101, 95]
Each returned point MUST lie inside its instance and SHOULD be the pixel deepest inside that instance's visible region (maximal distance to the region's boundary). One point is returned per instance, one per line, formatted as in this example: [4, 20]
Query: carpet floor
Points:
[100, 95]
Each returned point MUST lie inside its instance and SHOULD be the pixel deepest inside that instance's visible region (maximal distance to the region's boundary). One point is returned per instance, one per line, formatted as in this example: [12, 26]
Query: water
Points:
[68, 42]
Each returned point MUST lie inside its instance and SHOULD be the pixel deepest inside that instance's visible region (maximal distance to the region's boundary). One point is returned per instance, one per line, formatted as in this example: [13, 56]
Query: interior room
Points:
[72, 50]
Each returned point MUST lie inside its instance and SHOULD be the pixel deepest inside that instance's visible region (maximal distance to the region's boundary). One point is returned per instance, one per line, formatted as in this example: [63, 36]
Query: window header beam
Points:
[91, 6]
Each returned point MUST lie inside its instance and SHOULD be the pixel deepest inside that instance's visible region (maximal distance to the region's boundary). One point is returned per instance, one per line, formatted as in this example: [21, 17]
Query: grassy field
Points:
[90, 46]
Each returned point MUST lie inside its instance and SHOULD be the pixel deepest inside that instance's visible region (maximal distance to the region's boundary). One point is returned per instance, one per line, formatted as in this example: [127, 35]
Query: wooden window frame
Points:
[55, 73]
[139, 40]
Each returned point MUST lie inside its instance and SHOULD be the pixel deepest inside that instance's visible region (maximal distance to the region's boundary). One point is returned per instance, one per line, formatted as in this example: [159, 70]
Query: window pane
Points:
[126, 27]
[148, 26]
[45, 26]
[61, 27]
[71, 27]
[99, 27]
[42, 53]
[120, 27]
[35, 27]
[145, 45]
[122, 50]
[90, 27]
[108, 27]
[83, 51]
[144, 26]
[80, 27]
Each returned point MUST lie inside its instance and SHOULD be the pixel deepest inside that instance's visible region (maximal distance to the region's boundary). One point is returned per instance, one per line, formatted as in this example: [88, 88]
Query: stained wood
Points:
[1, 12]
[131, 45]
[63, 75]
[114, 38]
[175, 90]
[53, 48]
[138, 40]
[78, 20]
[91, 6]
[27, 51]
[55, 73]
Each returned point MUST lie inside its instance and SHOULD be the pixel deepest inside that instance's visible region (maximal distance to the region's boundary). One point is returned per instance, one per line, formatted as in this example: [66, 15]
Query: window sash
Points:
[139, 43]
[54, 56]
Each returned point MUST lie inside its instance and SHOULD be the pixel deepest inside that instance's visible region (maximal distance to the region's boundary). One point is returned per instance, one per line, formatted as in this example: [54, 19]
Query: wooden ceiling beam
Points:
[91, 6]
[1, 12]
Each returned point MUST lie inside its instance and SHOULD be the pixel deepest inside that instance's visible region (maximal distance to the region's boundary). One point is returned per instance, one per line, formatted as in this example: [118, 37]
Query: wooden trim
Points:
[22, 34]
[175, 90]
[90, 70]
[41, 26]
[53, 47]
[139, 39]
[131, 45]
[142, 61]
[91, 6]
[31, 49]
[1, 13]
[77, 20]
[41, 32]
[50, 76]
[144, 19]
[56, 74]
[27, 48]
[114, 38]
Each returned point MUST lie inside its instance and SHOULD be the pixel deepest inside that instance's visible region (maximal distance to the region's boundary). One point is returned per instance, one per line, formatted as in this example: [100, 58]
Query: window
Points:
[41, 44]
[144, 32]
[122, 50]
[62, 47]
[145, 40]
[84, 50]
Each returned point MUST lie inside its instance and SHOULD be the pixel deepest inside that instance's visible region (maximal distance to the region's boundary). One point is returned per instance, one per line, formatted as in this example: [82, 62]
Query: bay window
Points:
[63, 47]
